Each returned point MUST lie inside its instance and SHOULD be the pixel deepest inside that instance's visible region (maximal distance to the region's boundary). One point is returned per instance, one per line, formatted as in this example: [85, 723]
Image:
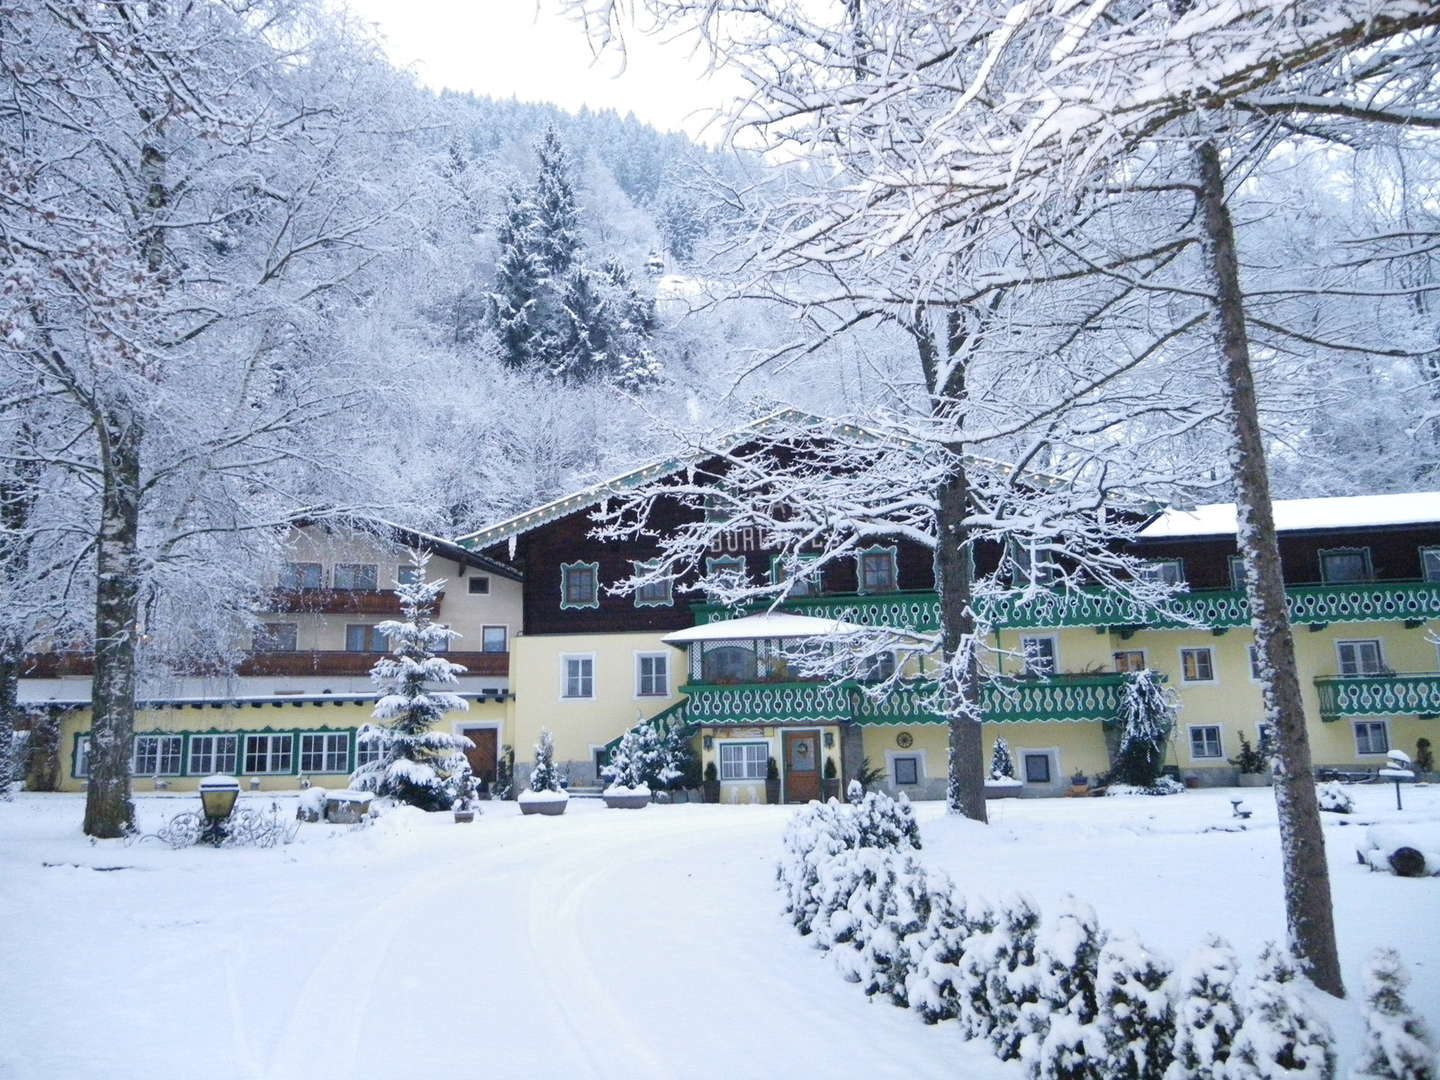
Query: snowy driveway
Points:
[600, 944]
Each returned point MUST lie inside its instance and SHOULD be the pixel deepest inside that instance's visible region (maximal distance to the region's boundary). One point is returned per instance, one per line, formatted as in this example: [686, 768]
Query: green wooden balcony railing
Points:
[1380, 601]
[1062, 699]
[1378, 695]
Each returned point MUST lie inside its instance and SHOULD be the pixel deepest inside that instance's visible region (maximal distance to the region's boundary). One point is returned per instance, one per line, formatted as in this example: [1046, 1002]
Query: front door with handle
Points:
[802, 766]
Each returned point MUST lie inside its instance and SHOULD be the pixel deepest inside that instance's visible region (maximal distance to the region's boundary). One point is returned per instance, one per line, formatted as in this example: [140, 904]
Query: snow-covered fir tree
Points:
[1136, 1016]
[937, 949]
[416, 764]
[1014, 980]
[1397, 1045]
[545, 776]
[1206, 1014]
[1001, 765]
[1147, 716]
[557, 223]
[1281, 1037]
[883, 822]
[1063, 1040]
[516, 296]
[639, 761]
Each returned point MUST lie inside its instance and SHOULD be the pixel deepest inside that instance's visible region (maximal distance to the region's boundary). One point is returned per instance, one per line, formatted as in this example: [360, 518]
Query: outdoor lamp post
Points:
[217, 797]
[1397, 769]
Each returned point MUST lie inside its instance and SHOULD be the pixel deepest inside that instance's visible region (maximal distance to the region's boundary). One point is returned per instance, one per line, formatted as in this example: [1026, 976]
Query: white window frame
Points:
[503, 628]
[892, 551]
[1144, 658]
[161, 755]
[1154, 570]
[1252, 661]
[1366, 557]
[367, 750]
[1219, 730]
[756, 762]
[1425, 552]
[1052, 753]
[922, 773]
[1214, 668]
[1340, 657]
[329, 741]
[565, 659]
[640, 658]
[1236, 563]
[217, 756]
[1054, 640]
[80, 767]
[404, 570]
[1368, 723]
[274, 743]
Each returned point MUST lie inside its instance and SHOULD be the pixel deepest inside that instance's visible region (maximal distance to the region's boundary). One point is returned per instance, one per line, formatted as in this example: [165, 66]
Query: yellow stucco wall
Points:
[267, 718]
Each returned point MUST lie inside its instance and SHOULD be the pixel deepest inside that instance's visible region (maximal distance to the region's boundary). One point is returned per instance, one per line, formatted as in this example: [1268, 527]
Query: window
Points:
[906, 770]
[356, 576]
[729, 664]
[579, 681]
[478, 586]
[325, 753]
[295, 576]
[1165, 571]
[156, 755]
[1039, 653]
[1371, 737]
[268, 753]
[1130, 660]
[1197, 665]
[879, 667]
[213, 754]
[1430, 563]
[1265, 738]
[1359, 657]
[363, 637]
[368, 750]
[725, 567]
[440, 644]
[494, 639]
[1237, 572]
[1254, 653]
[1205, 741]
[409, 575]
[82, 756]
[743, 761]
[274, 637]
[1036, 766]
[716, 508]
[580, 585]
[652, 675]
[656, 593]
[1340, 565]
[1030, 567]
[807, 585]
[877, 570]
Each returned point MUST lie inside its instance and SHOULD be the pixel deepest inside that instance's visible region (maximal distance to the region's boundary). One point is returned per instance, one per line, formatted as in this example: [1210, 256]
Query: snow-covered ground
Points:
[603, 943]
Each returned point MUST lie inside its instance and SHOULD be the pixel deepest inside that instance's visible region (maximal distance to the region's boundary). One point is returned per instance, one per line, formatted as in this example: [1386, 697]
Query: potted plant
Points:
[464, 798]
[830, 782]
[1254, 766]
[1079, 785]
[626, 772]
[711, 783]
[1001, 783]
[772, 782]
[1424, 758]
[545, 794]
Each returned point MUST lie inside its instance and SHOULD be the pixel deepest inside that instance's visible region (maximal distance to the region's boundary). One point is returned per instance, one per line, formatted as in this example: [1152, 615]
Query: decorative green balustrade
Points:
[1211, 608]
[1378, 695]
[1083, 698]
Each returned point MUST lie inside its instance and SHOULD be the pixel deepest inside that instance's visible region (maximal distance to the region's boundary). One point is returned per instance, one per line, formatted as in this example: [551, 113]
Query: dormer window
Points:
[1430, 563]
[579, 585]
[1339, 566]
[877, 570]
[1164, 571]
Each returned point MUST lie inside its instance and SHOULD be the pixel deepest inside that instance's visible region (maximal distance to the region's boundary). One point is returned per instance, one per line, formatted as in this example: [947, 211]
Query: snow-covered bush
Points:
[1062, 1040]
[972, 985]
[1397, 1046]
[1014, 977]
[417, 765]
[631, 760]
[1206, 1015]
[1136, 1015]
[1162, 785]
[812, 837]
[870, 900]
[545, 776]
[936, 950]
[883, 822]
[1334, 798]
[1146, 716]
[1001, 765]
[1281, 1036]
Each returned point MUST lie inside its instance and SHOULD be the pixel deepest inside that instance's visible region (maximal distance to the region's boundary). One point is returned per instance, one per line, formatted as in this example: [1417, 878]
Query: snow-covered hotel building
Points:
[549, 646]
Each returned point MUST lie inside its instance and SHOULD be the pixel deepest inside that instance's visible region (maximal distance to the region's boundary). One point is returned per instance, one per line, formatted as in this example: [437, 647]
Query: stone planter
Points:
[1253, 779]
[712, 791]
[549, 807]
[626, 802]
[829, 789]
[464, 817]
[347, 807]
[772, 792]
[1002, 790]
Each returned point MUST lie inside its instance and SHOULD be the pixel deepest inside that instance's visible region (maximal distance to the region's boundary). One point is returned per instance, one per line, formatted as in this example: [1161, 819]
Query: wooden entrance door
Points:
[484, 753]
[802, 766]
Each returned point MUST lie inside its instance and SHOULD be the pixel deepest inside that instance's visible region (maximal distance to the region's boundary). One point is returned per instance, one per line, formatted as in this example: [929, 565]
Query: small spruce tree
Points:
[517, 296]
[417, 765]
[1014, 981]
[1001, 766]
[1206, 1014]
[557, 218]
[1397, 1046]
[1063, 1041]
[1281, 1037]
[1146, 716]
[1136, 1016]
[545, 776]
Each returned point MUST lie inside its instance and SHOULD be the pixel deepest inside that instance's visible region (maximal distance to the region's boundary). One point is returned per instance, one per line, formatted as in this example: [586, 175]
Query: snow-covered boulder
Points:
[1334, 799]
[312, 805]
[1411, 850]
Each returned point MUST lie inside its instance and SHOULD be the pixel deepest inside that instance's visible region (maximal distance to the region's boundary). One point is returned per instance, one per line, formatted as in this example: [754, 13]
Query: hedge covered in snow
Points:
[1061, 996]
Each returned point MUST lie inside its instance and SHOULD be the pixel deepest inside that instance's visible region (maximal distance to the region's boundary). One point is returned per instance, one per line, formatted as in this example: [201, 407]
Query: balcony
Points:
[343, 662]
[1378, 601]
[1073, 698]
[338, 602]
[1378, 695]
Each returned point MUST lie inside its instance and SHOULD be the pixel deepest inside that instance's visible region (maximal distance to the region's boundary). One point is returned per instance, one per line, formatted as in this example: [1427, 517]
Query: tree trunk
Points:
[108, 810]
[1308, 910]
[9, 709]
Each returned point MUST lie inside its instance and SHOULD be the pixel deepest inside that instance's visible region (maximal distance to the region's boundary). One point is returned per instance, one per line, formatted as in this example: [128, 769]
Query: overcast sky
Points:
[504, 48]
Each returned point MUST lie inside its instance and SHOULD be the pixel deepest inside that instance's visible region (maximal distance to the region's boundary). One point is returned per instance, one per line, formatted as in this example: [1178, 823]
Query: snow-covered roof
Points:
[771, 624]
[1294, 515]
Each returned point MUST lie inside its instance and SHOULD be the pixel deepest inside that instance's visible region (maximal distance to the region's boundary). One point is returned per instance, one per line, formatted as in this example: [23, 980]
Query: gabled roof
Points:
[1298, 515]
[407, 537]
[767, 624]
